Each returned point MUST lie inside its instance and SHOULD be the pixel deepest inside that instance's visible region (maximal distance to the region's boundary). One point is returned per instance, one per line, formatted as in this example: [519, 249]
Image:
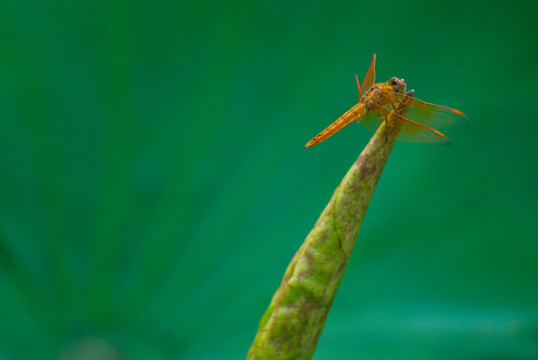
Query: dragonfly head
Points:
[398, 85]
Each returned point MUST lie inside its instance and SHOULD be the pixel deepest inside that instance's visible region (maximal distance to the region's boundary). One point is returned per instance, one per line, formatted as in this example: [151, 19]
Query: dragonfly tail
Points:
[355, 113]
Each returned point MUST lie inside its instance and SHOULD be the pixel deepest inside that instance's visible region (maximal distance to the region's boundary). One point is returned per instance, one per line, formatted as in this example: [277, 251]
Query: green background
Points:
[154, 184]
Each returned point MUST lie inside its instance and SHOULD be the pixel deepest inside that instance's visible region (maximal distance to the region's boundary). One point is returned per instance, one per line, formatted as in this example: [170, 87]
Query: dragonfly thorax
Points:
[381, 94]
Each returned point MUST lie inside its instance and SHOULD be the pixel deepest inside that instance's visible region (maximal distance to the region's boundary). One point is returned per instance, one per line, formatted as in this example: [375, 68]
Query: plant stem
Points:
[291, 326]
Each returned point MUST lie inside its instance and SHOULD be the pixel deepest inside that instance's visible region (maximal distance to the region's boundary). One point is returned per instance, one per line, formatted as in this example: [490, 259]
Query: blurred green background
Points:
[154, 183]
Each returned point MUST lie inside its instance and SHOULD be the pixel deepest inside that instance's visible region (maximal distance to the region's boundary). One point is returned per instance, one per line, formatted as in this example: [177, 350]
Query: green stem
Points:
[291, 326]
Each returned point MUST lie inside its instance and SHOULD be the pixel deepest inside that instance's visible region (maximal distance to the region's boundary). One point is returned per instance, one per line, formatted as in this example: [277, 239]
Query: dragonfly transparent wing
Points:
[435, 116]
[410, 131]
[369, 79]
[373, 119]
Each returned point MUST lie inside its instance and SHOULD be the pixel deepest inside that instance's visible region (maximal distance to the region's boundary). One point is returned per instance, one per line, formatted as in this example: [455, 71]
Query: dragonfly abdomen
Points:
[355, 113]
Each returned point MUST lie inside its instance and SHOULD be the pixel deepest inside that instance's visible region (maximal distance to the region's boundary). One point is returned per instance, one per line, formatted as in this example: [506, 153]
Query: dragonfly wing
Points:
[373, 119]
[435, 116]
[412, 131]
[369, 79]
[359, 86]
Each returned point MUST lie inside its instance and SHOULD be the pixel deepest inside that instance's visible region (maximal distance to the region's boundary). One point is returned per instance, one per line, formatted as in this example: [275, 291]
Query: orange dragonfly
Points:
[419, 125]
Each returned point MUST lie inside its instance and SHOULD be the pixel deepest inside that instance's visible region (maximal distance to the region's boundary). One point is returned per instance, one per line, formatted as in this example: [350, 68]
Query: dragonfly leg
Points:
[387, 116]
[388, 124]
[384, 115]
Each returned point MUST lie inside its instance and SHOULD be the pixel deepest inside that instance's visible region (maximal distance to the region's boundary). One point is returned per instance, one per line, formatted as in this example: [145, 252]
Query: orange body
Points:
[380, 99]
[376, 97]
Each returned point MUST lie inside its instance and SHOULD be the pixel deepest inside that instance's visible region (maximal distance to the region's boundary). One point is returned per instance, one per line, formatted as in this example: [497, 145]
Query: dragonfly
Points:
[421, 123]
